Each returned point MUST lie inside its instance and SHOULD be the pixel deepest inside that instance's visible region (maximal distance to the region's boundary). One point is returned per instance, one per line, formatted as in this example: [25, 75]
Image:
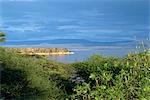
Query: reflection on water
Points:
[83, 55]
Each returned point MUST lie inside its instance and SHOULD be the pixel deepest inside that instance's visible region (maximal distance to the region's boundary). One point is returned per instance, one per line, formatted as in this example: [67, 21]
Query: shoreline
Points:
[42, 51]
[49, 54]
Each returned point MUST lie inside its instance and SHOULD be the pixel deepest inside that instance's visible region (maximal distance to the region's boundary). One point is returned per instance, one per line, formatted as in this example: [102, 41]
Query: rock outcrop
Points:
[42, 51]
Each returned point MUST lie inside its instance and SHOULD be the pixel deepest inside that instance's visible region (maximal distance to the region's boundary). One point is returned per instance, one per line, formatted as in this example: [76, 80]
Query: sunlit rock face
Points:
[42, 51]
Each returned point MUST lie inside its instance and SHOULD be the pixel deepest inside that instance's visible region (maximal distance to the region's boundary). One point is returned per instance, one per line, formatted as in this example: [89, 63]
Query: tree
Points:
[2, 35]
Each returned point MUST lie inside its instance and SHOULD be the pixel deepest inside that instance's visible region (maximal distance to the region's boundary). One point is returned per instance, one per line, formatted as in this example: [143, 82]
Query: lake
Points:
[83, 55]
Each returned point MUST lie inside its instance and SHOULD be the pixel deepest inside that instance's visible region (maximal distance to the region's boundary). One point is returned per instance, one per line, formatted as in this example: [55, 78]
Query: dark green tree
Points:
[2, 35]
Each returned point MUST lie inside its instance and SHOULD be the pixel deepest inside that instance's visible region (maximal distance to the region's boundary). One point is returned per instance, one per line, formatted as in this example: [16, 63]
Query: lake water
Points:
[83, 55]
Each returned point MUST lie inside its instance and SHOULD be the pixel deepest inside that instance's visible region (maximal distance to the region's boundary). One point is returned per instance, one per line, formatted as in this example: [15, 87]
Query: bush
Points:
[114, 78]
[30, 78]
[108, 78]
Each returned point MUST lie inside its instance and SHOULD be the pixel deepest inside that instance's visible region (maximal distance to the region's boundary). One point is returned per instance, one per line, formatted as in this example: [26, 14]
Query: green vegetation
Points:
[2, 35]
[114, 79]
[103, 78]
[29, 78]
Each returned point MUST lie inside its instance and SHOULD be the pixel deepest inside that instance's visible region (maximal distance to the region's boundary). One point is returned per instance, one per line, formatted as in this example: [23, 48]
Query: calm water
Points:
[85, 54]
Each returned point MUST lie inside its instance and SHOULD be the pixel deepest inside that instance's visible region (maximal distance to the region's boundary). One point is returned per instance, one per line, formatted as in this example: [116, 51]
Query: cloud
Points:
[17, 0]
[87, 29]
[99, 31]
[92, 13]
[66, 20]
[67, 27]
[69, 0]
[22, 28]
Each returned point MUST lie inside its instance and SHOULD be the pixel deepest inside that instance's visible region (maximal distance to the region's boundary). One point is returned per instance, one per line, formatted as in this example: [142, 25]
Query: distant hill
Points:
[83, 42]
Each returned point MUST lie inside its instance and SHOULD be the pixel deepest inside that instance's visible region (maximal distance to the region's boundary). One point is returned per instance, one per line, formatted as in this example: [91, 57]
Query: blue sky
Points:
[93, 20]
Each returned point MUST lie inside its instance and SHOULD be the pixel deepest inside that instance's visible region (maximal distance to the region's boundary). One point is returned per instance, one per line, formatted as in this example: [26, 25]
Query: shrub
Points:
[108, 78]
[30, 78]
[114, 78]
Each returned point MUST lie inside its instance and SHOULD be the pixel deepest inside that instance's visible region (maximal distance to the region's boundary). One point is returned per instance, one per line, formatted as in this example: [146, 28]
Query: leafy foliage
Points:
[29, 78]
[108, 78]
[2, 39]
[114, 78]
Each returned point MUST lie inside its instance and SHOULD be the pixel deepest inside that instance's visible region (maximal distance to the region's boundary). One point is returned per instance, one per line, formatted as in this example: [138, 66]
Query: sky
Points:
[92, 21]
